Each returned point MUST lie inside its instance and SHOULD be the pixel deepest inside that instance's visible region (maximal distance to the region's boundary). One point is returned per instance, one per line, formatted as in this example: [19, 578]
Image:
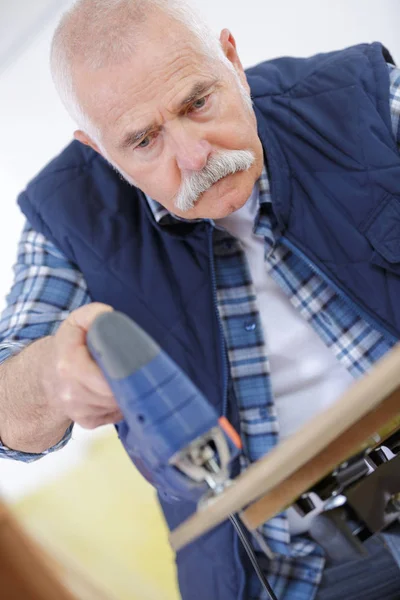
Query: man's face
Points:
[170, 113]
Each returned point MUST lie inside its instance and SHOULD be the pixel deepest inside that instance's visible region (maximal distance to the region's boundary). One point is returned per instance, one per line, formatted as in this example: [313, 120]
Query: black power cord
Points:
[250, 552]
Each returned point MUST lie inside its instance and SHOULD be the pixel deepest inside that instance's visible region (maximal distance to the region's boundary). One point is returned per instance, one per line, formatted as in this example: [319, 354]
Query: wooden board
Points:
[346, 445]
[291, 456]
[25, 571]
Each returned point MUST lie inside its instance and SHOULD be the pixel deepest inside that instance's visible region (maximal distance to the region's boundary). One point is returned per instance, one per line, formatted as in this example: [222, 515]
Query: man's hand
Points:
[74, 384]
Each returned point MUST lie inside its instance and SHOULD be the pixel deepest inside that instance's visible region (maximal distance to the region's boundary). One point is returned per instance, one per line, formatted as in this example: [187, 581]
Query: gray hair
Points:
[97, 33]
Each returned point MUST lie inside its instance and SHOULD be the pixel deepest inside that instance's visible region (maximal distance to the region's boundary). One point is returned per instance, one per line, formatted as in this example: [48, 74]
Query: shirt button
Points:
[272, 257]
[250, 326]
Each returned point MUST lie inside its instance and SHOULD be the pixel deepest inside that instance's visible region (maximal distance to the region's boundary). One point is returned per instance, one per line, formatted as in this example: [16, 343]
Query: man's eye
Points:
[199, 104]
[144, 143]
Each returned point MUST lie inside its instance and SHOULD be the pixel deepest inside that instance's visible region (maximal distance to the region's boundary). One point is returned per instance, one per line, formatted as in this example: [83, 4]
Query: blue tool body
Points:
[164, 412]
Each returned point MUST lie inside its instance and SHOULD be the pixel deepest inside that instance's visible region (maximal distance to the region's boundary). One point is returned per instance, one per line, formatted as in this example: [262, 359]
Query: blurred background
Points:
[86, 503]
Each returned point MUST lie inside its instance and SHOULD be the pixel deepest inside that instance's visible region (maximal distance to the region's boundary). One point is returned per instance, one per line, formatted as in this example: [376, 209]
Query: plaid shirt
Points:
[47, 288]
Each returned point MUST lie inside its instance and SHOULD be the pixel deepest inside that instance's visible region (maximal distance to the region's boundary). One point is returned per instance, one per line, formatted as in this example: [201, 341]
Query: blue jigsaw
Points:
[171, 432]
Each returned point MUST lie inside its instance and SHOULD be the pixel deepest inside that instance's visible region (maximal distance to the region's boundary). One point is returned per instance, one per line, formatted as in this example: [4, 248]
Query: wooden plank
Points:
[291, 455]
[24, 572]
[336, 452]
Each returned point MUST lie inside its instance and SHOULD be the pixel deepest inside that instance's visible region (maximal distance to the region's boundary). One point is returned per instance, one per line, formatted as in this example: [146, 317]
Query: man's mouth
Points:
[221, 181]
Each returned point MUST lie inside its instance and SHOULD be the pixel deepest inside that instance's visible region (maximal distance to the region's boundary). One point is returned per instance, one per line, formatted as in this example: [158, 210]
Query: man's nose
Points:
[191, 152]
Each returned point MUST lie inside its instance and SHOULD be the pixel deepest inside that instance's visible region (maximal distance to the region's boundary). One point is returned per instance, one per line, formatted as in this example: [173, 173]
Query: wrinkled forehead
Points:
[163, 65]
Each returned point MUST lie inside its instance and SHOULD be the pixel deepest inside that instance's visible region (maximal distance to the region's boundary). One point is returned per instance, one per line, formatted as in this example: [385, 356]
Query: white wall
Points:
[267, 28]
[34, 126]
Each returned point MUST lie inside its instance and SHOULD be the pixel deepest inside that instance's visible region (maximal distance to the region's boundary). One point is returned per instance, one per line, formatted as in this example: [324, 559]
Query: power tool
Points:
[171, 432]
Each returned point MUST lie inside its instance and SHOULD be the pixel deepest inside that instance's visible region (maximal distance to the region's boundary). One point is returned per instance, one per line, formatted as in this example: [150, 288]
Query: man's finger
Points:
[85, 371]
[72, 332]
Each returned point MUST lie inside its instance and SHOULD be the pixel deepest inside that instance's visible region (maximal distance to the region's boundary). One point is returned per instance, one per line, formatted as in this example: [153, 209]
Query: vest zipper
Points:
[221, 330]
[361, 313]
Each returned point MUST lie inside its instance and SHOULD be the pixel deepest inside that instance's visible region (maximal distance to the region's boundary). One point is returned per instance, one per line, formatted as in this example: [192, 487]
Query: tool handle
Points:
[163, 410]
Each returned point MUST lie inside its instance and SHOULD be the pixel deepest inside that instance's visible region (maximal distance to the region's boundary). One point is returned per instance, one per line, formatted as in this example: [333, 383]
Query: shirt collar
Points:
[165, 217]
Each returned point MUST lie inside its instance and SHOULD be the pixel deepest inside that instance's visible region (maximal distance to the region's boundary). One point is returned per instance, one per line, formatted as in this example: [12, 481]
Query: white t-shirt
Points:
[305, 375]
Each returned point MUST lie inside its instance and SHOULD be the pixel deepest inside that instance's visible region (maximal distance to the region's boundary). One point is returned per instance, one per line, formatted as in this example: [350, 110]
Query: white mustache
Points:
[219, 165]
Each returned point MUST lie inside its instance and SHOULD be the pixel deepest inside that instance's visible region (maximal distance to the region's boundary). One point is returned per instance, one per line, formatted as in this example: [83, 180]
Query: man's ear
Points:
[228, 44]
[84, 139]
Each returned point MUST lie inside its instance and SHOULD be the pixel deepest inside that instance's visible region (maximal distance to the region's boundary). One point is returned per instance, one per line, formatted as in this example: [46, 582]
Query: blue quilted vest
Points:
[325, 126]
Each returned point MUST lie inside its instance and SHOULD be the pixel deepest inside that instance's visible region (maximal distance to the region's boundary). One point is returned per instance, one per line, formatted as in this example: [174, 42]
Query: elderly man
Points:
[254, 234]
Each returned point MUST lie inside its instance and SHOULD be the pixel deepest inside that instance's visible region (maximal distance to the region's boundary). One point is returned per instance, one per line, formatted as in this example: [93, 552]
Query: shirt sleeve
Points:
[47, 287]
[394, 74]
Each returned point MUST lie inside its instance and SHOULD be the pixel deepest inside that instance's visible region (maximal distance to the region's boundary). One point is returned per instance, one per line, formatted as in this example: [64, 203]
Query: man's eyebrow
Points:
[197, 91]
[131, 138]
[199, 88]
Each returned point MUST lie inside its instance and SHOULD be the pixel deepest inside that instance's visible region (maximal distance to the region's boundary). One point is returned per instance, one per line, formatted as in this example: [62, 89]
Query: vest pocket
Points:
[378, 261]
[383, 231]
